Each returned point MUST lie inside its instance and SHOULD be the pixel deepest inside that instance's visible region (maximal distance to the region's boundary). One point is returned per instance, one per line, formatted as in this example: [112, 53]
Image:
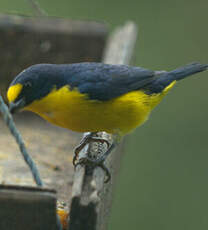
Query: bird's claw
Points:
[85, 141]
[95, 163]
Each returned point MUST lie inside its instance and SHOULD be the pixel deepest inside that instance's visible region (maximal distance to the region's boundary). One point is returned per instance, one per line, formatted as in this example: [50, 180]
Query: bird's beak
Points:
[16, 106]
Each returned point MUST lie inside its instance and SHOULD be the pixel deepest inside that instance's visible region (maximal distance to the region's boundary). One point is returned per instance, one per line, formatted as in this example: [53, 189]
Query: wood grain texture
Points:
[27, 208]
[51, 148]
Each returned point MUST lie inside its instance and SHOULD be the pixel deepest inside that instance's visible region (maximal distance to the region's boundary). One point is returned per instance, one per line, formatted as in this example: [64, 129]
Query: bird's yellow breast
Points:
[73, 110]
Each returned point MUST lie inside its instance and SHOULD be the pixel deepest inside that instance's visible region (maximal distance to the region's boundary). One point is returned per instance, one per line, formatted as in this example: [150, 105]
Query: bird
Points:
[94, 97]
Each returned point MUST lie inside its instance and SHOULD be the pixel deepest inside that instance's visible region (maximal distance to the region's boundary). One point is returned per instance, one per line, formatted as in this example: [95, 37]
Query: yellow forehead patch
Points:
[13, 92]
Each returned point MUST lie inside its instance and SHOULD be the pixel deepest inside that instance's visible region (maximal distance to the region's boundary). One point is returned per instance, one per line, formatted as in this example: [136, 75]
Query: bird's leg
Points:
[85, 140]
[98, 162]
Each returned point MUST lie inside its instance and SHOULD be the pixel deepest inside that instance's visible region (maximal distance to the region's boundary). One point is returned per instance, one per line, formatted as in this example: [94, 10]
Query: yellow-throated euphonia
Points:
[92, 97]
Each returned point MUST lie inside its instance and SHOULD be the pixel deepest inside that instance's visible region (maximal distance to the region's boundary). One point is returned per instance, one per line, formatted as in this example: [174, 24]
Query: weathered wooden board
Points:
[51, 148]
[27, 208]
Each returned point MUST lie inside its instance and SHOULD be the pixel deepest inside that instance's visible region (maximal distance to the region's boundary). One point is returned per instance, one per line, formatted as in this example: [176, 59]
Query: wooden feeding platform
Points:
[26, 41]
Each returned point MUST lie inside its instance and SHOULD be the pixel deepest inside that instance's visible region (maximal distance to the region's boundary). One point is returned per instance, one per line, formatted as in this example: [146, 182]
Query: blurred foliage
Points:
[163, 182]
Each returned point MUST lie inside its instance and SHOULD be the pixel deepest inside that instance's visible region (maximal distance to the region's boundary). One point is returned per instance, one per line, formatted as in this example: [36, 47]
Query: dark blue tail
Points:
[164, 79]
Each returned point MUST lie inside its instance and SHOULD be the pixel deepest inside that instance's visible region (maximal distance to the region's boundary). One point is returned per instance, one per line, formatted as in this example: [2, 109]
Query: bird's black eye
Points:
[28, 84]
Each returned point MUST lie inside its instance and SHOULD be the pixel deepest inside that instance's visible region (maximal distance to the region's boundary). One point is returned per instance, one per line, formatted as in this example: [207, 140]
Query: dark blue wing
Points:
[104, 82]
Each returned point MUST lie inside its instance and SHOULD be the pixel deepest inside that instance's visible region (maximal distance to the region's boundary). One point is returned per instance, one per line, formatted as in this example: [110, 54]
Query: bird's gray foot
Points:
[98, 162]
[86, 140]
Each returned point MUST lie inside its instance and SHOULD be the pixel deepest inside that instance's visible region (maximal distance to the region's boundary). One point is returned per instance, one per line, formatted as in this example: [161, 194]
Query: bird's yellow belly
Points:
[72, 110]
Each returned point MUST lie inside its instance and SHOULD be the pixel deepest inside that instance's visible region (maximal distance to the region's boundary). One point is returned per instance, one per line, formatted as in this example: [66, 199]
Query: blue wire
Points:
[11, 125]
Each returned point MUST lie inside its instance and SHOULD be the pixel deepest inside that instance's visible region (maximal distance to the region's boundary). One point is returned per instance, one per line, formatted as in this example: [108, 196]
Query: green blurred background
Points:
[164, 177]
